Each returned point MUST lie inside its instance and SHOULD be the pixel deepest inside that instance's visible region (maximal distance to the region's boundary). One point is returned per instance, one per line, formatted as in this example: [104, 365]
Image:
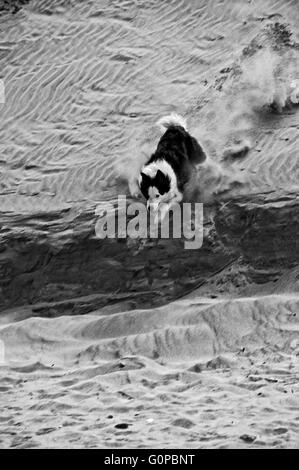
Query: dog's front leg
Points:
[165, 207]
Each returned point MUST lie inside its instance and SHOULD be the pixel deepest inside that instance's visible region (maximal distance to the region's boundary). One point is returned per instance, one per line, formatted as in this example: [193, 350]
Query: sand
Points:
[217, 374]
[124, 344]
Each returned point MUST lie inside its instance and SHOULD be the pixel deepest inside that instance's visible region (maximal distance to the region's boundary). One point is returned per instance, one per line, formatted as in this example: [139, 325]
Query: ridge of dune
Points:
[161, 373]
[214, 325]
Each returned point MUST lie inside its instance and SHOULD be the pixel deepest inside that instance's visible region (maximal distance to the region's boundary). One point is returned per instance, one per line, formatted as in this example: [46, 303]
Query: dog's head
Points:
[155, 185]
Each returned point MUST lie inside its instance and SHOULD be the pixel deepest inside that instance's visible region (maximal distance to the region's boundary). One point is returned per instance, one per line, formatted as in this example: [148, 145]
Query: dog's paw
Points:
[161, 212]
[164, 210]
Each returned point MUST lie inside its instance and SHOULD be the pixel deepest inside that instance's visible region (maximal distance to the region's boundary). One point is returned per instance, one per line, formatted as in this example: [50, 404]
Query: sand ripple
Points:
[83, 78]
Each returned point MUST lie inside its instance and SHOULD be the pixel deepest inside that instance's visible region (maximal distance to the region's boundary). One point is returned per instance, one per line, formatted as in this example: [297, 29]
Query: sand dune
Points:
[200, 373]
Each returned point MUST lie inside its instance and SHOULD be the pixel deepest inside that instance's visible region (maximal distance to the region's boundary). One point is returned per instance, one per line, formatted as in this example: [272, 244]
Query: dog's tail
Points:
[172, 119]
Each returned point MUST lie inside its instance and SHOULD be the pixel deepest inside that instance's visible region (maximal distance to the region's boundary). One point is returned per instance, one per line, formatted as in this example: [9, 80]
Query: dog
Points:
[163, 178]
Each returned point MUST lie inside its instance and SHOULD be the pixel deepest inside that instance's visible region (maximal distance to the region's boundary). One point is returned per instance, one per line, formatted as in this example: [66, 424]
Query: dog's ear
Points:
[160, 177]
[162, 182]
[144, 182]
[145, 178]
[194, 150]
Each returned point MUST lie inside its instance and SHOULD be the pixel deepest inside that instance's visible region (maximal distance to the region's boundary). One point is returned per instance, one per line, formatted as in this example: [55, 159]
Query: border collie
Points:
[163, 178]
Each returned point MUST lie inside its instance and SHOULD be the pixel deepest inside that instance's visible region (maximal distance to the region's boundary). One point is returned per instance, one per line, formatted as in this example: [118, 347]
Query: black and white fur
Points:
[163, 178]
